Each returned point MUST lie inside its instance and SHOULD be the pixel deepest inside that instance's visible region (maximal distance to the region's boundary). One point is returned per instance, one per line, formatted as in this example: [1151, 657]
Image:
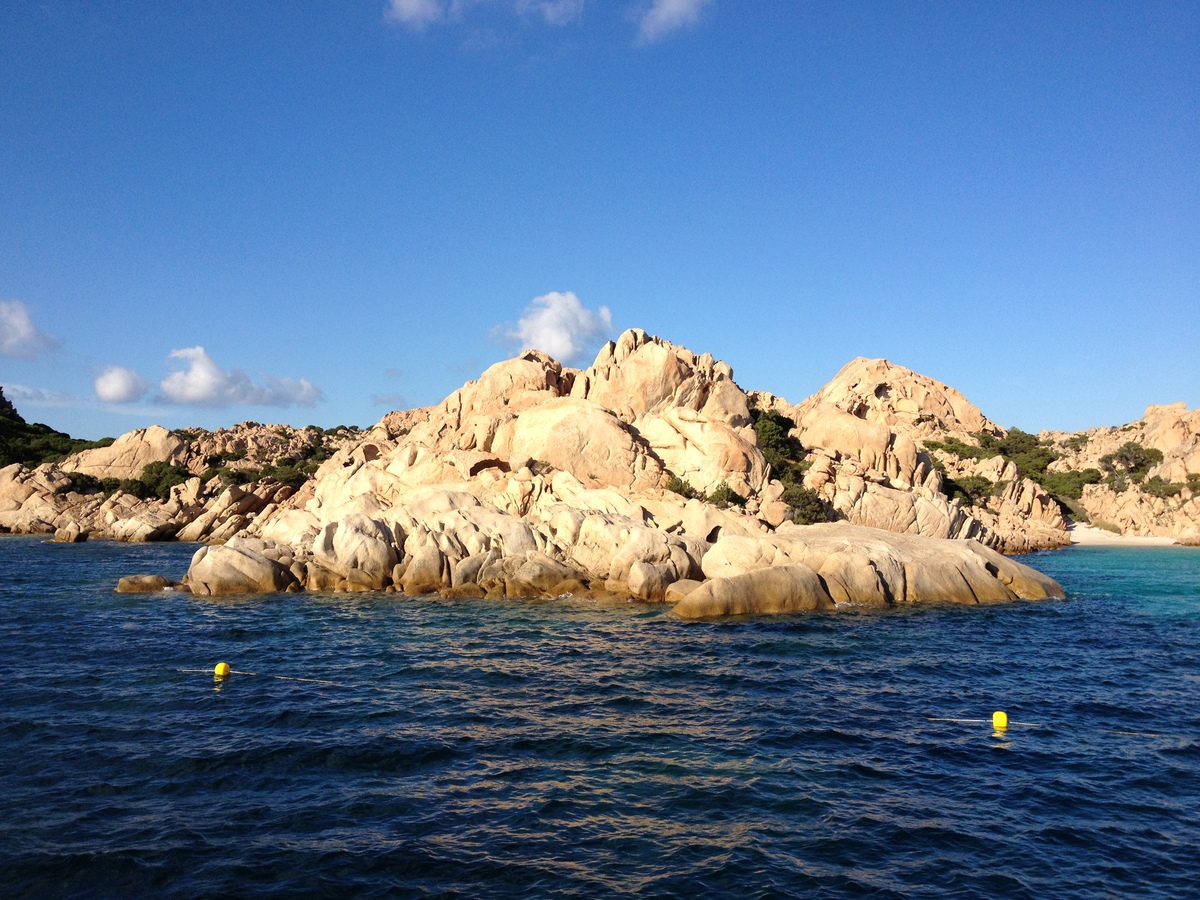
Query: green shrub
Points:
[956, 447]
[976, 487]
[1077, 442]
[1028, 452]
[135, 487]
[160, 477]
[1193, 482]
[806, 505]
[724, 496]
[783, 453]
[32, 445]
[1156, 487]
[289, 475]
[682, 487]
[1133, 459]
[79, 483]
[1070, 484]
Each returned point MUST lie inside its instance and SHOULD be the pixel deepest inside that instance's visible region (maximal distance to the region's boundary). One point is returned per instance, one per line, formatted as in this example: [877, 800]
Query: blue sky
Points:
[319, 212]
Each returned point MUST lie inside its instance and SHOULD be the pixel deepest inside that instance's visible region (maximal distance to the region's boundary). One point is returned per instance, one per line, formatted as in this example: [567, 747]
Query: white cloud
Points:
[19, 337]
[204, 383]
[415, 13]
[37, 396]
[559, 324]
[119, 385]
[554, 12]
[665, 16]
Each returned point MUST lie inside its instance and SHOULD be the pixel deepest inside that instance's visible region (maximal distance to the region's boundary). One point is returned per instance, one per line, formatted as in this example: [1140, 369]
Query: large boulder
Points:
[855, 566]
[129, 454]
[238, 567]
[582, 438]
[359, 549]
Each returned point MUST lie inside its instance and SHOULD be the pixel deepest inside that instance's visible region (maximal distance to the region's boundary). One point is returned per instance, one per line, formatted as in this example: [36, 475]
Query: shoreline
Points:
[1089, 536]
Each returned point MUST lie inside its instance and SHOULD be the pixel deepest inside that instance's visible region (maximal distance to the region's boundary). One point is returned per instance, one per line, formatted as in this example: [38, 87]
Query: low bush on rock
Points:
[806, 505]
[1156, 487]
[160, 477]
[1132, 460]
[783, 453]
[1070, 484]
[79, 483]
[724, 496]
[1030, 454]
[682, 487]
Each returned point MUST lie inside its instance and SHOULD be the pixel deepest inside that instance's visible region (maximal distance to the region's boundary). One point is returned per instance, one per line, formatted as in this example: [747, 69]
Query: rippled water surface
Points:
[576, 748]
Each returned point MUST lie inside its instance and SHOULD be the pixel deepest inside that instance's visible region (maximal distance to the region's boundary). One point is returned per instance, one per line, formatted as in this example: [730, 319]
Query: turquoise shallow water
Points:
[578, 748]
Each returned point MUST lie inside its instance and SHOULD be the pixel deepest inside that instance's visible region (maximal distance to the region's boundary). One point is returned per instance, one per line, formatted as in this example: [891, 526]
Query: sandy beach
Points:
[1089, 535]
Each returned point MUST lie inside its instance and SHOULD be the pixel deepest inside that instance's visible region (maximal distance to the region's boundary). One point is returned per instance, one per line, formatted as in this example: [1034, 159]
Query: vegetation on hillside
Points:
[1033, 455]
[786, 457]
[32, 445]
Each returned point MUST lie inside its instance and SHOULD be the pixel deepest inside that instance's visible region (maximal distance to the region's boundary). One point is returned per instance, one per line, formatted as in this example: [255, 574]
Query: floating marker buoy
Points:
[999, 720]
[222, 670]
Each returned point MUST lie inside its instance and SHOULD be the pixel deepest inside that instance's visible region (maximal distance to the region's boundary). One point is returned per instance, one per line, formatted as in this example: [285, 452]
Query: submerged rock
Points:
[144, 584]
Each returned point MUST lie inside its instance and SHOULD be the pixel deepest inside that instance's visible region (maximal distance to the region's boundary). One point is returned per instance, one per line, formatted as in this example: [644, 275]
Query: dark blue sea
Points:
[553, 749]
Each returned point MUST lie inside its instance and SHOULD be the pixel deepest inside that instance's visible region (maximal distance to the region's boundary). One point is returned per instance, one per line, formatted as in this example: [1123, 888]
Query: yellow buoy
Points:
[999, 720]
[222, 670]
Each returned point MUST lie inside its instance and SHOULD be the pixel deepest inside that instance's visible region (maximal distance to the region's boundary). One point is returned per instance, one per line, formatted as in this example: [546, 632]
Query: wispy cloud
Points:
[120, 385]
[418, 14]
[19, 337]
[391, 401]
[204, 383]
[665, 16]
[553, 12]
[415, 13]
[34, 396]
[559, 324]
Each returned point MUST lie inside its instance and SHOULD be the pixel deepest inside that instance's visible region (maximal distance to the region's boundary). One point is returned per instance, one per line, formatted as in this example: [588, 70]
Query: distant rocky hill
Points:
[1146, 474]
[647, 474]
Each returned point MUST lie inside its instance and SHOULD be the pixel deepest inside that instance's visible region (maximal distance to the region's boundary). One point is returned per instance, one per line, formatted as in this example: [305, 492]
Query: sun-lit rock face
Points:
[865, 433]
[1166, 502]
[536, 478]
[900, 399]
[836, 565]
[129, 454]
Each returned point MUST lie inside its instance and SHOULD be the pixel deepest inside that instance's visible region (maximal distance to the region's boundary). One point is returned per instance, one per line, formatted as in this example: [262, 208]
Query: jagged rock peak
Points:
[639, 374]
[880, 391]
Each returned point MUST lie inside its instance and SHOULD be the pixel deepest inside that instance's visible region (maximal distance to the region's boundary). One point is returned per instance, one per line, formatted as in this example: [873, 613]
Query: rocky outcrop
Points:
[240, 566]
[899, 399]
[538, 479]
[129, 454]
[837, 565]
[865, 433]
[1133, 506]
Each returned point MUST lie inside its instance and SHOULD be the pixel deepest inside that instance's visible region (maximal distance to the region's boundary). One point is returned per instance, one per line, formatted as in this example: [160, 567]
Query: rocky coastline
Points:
[650, 475]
